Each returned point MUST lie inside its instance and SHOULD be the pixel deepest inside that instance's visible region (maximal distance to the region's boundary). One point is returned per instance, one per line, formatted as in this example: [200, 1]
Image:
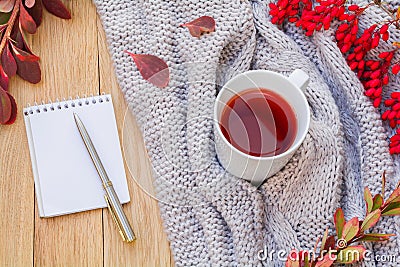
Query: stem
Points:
[10, 25]
[387, 11]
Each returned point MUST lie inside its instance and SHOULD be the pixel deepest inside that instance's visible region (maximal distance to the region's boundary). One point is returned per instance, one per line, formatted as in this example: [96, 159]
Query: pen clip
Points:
[115, 218]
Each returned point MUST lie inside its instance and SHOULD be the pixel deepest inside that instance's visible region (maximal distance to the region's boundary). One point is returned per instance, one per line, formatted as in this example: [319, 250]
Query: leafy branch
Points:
[345, 247]
[18, 17]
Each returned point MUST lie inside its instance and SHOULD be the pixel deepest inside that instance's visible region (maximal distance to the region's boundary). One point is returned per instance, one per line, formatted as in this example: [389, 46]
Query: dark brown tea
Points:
[259, 122]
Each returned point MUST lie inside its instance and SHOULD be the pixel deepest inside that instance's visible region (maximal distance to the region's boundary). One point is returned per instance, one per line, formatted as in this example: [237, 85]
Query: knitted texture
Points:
[211, 217]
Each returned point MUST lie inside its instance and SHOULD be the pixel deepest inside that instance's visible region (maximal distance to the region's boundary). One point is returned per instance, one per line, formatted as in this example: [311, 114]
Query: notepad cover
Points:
[66, 180]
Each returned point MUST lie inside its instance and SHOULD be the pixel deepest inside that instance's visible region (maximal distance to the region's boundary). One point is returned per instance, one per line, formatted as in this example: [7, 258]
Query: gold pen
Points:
[112, 200]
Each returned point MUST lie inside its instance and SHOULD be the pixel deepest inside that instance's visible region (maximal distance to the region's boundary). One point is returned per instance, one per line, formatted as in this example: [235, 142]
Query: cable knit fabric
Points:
[211, 217]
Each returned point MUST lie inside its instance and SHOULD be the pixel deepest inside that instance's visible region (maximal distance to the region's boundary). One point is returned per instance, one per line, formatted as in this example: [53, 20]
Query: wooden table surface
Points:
[74, 61]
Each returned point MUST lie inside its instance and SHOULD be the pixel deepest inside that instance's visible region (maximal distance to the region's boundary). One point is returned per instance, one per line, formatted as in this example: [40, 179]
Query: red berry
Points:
[353, 7]
[384, 29]
[396, 69]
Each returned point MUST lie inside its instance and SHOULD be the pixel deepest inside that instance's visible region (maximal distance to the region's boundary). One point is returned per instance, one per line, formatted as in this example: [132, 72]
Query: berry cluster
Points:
[355, 46]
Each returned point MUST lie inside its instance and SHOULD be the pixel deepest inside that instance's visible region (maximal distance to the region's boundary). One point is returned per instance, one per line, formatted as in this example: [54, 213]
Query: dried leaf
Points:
[14, 110]
[368, 199]
[378, 202]
[351, 254]
[4, 80]
[371, 220]
[29, 3]
[152, 69]
[339, 222]
[397, 44]
[57, 8]
[350, 229]
[200, 25]
[374, 237]
[8, 61]
[394, 197]
[5, 106]
[36, 12]
[6, 5]
[326, 261]
[398, 13]
[27, 22]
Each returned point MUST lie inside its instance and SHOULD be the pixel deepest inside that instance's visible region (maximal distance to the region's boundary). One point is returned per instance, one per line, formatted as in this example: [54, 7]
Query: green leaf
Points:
[391, 206]
[339, 222]
[4, 17]
[368, 199]
[326, 261]
[371, 220]
[392, 212]
[350, 229]
[351, 254]
[373, 237]
[394, 197]
[378, 202]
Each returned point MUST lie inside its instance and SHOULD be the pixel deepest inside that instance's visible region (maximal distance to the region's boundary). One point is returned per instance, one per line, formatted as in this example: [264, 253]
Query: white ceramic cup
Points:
[253, 168]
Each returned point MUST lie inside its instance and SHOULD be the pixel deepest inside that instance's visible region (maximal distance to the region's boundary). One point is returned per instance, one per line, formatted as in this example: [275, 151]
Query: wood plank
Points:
[151, 247]
[16, 186]
[68, 51]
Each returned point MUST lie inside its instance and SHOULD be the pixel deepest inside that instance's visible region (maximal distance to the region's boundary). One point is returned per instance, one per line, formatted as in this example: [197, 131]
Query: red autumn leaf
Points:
[152, 69]
[27, 22]
[29, 3]
[36, 12]
[371, 220]
[23, 55]
[28, 67]
[14, 110]
[8, 61]
[350, 229]
[200, 25]
[339, 222]
[4, 80]
[5, 106]
[57, 8]
[330, 243]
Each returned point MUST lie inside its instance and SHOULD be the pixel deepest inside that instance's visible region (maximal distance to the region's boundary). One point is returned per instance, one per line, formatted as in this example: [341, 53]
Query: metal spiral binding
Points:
[64, 104]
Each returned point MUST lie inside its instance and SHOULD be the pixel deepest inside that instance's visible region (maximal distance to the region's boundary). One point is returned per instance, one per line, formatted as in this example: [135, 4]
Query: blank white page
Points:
[66, 180]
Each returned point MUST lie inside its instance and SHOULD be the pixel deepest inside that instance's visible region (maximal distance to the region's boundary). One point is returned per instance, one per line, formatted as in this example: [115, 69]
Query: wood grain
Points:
[151, 247]
[74, 61]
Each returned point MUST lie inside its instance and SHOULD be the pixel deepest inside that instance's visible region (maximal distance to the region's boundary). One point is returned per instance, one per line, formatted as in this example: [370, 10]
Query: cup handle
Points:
[300, 79]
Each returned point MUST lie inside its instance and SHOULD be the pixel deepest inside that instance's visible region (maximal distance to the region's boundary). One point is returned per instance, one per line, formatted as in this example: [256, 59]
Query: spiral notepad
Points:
[66, 180]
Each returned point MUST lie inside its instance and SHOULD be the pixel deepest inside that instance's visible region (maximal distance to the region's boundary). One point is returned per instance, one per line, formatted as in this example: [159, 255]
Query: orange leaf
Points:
[394, 197]
[371, 220]
[398, 13]
[339, 222]
[152, 69]
[397, 44]
[326, 261]
[350, 229]
[200, 25]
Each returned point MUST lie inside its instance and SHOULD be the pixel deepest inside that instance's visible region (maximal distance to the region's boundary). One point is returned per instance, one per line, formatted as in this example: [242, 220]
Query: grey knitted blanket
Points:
[211, 217]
